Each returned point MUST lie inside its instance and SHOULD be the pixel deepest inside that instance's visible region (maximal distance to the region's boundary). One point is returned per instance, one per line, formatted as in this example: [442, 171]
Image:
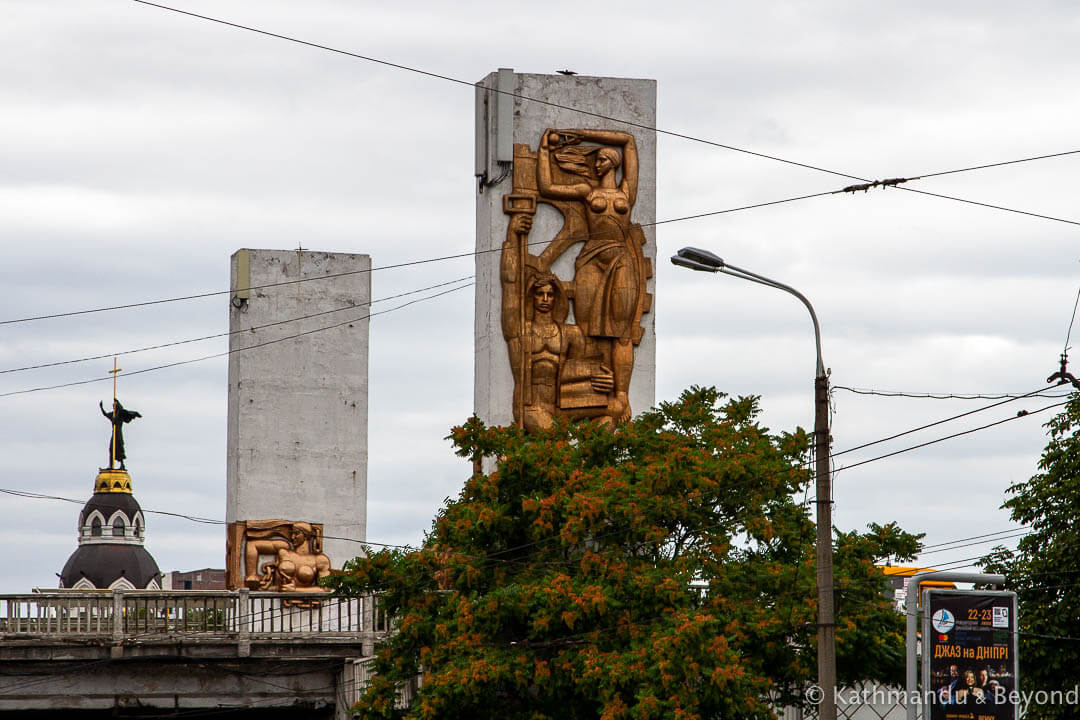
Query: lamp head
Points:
[702, 257]
[692, 264]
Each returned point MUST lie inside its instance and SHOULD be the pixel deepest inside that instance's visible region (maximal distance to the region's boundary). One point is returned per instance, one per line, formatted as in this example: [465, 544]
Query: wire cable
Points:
[459, 81]
[630, 123]
[993, 165]
[1071, 321]
[580, 237]
[492, 556]
[982, 204]
[954, 435]
[947, 396]
[236, 350]
[234, 332]
[1015, 536]
[939, 422]
[977, 537]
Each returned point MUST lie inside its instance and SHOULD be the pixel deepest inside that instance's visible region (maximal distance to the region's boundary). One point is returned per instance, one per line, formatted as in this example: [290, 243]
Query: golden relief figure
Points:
[579, 370]
[293, 549]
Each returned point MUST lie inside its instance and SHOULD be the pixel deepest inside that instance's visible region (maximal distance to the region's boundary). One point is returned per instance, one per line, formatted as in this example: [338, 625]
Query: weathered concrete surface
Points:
[297, 429]
[177, 674]
[628, 99]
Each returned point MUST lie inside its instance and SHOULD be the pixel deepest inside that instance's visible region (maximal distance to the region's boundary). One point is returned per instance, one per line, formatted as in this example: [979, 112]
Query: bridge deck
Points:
[140, 650]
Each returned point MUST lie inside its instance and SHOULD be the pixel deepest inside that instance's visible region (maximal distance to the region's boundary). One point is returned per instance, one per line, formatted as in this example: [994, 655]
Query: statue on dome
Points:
[117, 417]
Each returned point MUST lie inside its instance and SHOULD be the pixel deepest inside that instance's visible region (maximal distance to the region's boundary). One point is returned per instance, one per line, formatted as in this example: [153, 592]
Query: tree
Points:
[664, 569]
[1042, 570]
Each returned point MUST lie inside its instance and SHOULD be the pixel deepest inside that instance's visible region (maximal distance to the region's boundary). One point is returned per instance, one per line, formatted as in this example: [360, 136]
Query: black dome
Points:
[104, 564]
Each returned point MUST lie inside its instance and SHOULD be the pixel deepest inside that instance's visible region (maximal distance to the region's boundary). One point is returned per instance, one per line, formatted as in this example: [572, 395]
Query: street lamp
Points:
[705, 261]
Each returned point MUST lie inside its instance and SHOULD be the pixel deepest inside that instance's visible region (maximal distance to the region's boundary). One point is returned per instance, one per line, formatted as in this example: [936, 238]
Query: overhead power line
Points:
[993, 165]
[1072, 319]
[235, 350]
[233, 332]
[927, 426]
[422, 261]
[459, 81]
[211, 521]
[1014, 536]
[409, 263]
[893, 182]
[954, 435]
[992, 206]
[977, 537]
[947, 396]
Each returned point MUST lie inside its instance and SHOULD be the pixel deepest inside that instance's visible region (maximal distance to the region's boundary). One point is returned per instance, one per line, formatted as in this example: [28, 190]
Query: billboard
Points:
[969, 654]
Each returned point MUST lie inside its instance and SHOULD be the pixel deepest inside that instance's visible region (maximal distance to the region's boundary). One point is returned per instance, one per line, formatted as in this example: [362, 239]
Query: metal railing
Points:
[123, 615]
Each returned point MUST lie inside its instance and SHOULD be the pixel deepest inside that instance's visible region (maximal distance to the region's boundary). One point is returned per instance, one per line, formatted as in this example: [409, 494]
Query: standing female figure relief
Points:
[609, 278]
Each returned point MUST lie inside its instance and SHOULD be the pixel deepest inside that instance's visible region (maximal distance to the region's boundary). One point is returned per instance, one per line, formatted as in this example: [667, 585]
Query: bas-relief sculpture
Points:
[295, 548]
[579, 370]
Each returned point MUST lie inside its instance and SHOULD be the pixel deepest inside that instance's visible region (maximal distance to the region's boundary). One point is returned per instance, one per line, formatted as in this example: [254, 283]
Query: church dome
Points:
[125, 567]
[111, 534]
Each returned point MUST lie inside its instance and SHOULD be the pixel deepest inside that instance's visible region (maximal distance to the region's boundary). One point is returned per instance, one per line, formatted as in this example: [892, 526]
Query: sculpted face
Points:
[544, 298]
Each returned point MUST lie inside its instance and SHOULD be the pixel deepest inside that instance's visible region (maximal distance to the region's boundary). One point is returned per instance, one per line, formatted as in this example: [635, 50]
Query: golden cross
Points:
[114, 372]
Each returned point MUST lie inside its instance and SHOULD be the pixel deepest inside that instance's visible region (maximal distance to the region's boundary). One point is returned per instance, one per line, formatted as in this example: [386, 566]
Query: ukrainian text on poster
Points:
[969, 647]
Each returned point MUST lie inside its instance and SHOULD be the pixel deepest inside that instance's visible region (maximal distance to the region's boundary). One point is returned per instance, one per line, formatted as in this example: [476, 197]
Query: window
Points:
[95, 528]
[118, 527]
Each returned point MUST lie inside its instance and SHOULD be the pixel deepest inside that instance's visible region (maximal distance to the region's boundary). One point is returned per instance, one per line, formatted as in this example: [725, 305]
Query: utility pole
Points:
[826, 623]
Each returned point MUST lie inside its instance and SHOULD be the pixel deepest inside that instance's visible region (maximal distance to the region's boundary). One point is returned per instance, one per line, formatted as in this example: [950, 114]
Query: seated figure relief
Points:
[294, 561]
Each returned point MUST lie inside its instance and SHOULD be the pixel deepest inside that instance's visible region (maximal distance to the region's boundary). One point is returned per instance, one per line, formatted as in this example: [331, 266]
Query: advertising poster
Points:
[969, 654]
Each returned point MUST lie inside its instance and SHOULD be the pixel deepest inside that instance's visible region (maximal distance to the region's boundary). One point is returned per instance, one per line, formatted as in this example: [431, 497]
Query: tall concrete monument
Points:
[297, 429]
[565, 206]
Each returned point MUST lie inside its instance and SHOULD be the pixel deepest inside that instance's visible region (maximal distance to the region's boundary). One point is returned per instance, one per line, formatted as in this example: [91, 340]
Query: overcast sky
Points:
[139, 148]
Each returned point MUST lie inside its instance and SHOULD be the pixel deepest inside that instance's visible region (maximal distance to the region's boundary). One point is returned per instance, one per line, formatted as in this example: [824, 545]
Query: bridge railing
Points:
[124, 615]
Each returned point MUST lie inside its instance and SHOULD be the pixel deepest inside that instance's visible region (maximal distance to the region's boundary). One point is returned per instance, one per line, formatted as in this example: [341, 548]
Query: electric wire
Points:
[992, 206]
[1006, 401]
[1016, 536]
[1068, 334]
[977, 537]
[34, 495]
[234, 332]
[950, 437]
[947, 396]
[459, 81]
[236, 350]
[629, 123]
[993, 165]
[579, 237]
[492, 556]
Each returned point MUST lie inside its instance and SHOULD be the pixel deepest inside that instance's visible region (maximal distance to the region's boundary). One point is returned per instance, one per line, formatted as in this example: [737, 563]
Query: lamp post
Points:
[705, 261]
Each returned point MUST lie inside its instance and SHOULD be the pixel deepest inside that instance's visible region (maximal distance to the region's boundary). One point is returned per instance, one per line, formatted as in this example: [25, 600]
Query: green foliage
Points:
[1042, 571]
[663, 570]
